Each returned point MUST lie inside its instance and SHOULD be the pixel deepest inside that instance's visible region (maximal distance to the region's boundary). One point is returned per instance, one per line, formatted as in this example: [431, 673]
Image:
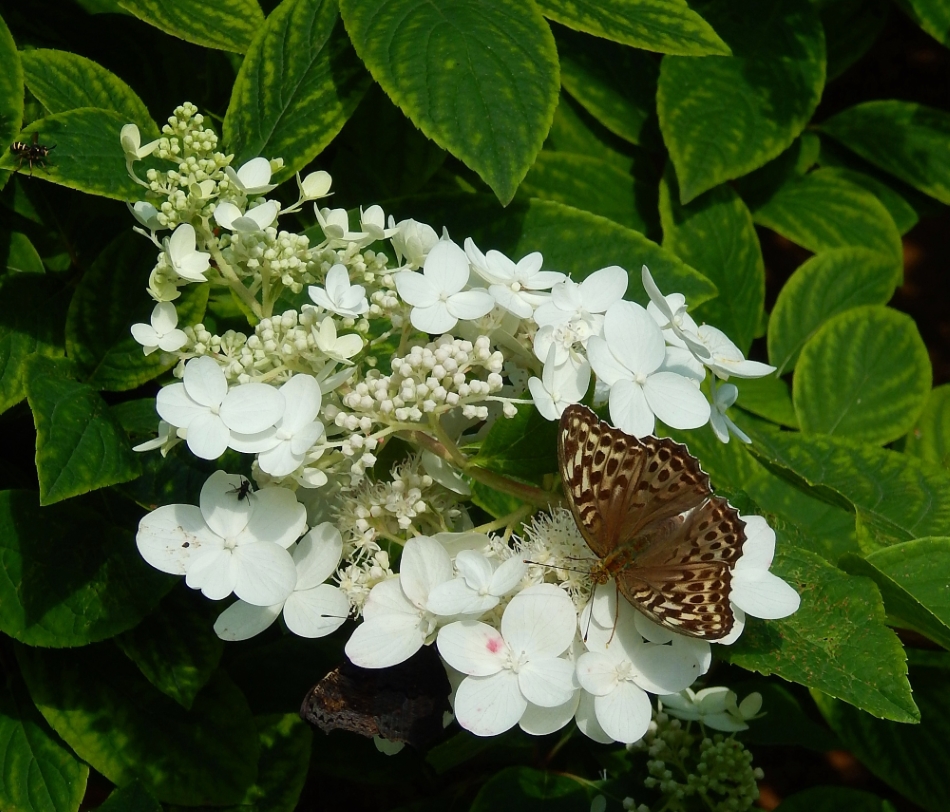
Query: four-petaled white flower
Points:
[515, 286]
[228, 544]
[396, 619]
[714, 707]
[315, 185]
[229, 216]
[183, 256]
[723, 396]
[479, 587]
[522, 663]
[131, 140]
[340, 296]
[437, 294]
[162, 333]
[559, 385]
[585, 302]
[339, 348]
[670, 313]
[253, 178]
[628, 360]
[313, 609]
[147, 215]
[209, 412]
[412, 242]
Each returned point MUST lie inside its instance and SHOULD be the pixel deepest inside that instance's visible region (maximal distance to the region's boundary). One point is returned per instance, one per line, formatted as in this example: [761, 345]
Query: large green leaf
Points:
[122, 726]
[32, 312]
[576, 130]
[21, 255]
[722, 117]
[912, 759]
[595, 185]
[522, 446]
[107, 302]
[912, 578]
[71, 574]
[864, 374]
[896, 497]
[88, 156]
[37, 773]
[931, 15]
[837, 642]
[79, 445]
[11, 87]
[484, 85]
[851, 27]
[930, 438]
[572, 241]
[833, 799]
[906, 139]
[829, 283]
[904, 215]
[297, 86]
[824, 210]
[666, 26]
[530, 790]
[768, 397]
[228, 25]
[175, 647]
[615, 84]
[715, 235]
[63, 81]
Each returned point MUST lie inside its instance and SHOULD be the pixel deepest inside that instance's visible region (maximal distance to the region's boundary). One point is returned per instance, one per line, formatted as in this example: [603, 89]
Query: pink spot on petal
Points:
[494, 645]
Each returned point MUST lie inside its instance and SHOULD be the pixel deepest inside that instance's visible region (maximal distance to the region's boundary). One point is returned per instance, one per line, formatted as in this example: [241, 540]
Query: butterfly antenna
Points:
[556, 566]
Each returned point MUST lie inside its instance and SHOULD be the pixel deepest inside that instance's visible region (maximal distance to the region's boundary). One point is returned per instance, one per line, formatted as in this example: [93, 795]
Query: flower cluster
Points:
[359, 395]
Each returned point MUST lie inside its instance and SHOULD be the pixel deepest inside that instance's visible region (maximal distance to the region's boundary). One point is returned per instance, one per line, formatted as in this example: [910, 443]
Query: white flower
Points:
[147, 215]
[373, 222]
[253, 178]
[513, 285]
[628, 360]
[584, 301]
[714, 707]
[315, 185]
[670, 313]
[340, 296]
[313, 609]
[336, 227]
[209, 412]
[412, 242]
[281, 448]
[229, 216]
[167, 438]
[227, 544]
[724, 395]
[520, 664]
[131, 140]
[183, 256]
[340, 348]
[480, 586]
[724, 358]
[559, 386]
[396, 620]
[436, 294]
[162, 333]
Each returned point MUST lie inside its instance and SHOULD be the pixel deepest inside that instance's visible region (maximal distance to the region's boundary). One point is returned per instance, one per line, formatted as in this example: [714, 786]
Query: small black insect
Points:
[243, 490]
[34, 153]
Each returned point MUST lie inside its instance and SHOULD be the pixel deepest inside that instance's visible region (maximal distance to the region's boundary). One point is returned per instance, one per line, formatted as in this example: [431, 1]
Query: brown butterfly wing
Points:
[645, 507]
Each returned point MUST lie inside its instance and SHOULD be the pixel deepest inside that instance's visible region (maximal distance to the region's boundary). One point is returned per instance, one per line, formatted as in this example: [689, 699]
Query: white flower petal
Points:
[508, 576]
[759, 547]
[624, 713]
[473, 648]
[424, 564]
[762, 594]
[387, 598]
[317, 555]
[547, 682]
[456, 597]
[225, 213]
[264, 573]
[242, 621]
[434, 318]
[541, 620]
[385, 640]
[470, 304]
[225, 514]
[603, 288]
[634, 337]
[586, 718]
[252, 407]
[596, 673]
[474, 569]
[664, 669]
[446, 267]
[629, 409]
[211, 572]
[676, 401]
[169, 536]
[204, 381]
[608, 368]
[278, 461]
[207, 436]
[277, 517]
[316, 612]
[538, 721]
[416, 289]
[487, 706]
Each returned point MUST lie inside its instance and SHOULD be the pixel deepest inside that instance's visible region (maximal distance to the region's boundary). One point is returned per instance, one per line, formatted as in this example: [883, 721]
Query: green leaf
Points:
[906, 139]
[615, 84]
[913, 583]
[37, 773]
[722, 117]
[32, 312]
[837, 642]
[297, 86]
[576, 130]
[495, 503]
[767, 397]
[484, 86]
[930, 438]
[21, 256]
[912, 759]
[828, 284]
[716, 236]
[123, 727]
[851, 28]
[72, 574]
[132, 797]
[572, 241]
[864, 374]
[175, 647]
[896, 497]
[11, 87]
[595, 185]
[522, 446]
[88, 155]
[824, 210]
[931, 15]
[227, 25]
[833, 799]
[79, 445]
[903, 214]
[665, 26]
[530, 790]
[107, 302]
[63, 81]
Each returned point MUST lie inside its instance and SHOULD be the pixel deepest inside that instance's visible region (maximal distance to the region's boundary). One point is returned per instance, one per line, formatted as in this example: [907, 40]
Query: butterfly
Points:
[647, 511]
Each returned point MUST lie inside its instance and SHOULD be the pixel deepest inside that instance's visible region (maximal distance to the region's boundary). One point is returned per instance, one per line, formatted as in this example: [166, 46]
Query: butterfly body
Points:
[646, 509]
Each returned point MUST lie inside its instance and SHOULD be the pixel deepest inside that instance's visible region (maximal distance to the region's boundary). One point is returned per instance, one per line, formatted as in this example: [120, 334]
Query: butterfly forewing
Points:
[646, 509]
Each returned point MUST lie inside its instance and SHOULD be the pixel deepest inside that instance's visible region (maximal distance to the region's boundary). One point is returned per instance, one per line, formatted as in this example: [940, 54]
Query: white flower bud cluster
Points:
[273, 254]
[557, 554]
[444, 374]
[357, 579]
